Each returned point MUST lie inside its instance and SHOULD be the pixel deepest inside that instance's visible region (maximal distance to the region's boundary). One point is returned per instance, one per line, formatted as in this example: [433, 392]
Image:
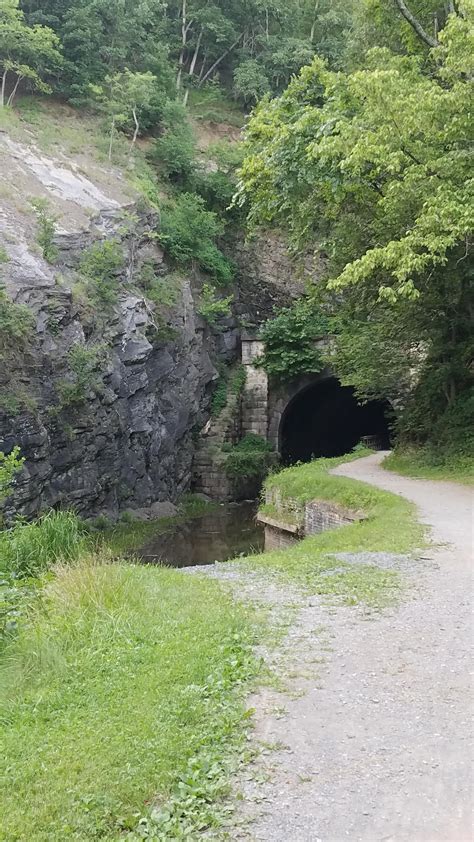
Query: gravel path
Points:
[371, 739]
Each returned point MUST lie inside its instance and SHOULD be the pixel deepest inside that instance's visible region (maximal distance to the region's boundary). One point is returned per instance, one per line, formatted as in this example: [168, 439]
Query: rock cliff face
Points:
[106, 400]
[121, 435]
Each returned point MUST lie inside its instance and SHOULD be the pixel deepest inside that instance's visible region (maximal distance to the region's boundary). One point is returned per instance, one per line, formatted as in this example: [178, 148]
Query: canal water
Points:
[225, 532]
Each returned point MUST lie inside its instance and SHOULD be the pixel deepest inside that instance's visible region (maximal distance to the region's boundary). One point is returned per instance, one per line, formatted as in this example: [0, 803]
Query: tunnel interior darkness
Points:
[327, 420]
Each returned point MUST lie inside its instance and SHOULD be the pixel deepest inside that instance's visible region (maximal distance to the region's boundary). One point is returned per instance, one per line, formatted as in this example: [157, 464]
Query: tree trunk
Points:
[196, 53]
[218, 61]
[183, 46]
[203, 67]
[13, 93]
[2, 92]
[111, 138]
[313, 25]
[135, 133]
[416, 25]
[192, 66]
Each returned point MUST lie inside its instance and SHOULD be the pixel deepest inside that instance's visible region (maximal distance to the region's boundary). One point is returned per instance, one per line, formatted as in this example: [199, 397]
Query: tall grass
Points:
[425, 463]
[122, 691]
[28, 549]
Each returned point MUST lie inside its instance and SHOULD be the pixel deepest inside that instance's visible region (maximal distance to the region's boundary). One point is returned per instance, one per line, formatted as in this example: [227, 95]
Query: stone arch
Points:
[280, 398]
[316, 415]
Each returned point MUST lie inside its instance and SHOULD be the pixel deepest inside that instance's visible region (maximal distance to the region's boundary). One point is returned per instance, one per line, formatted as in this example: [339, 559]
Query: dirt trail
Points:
[373, 736]
[446, 507]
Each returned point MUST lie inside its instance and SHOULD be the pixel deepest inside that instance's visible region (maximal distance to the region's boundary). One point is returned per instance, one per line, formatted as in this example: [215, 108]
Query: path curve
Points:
[446, 507]
[375, 733]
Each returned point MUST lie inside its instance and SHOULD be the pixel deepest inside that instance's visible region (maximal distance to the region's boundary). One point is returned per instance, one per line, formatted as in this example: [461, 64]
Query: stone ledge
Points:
[293, 528]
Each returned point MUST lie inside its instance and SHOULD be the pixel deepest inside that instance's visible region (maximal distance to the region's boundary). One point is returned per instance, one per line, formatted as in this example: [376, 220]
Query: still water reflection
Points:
[225, 532]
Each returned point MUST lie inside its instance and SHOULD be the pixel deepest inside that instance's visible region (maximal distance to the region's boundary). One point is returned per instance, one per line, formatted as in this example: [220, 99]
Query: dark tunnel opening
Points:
[327, 420]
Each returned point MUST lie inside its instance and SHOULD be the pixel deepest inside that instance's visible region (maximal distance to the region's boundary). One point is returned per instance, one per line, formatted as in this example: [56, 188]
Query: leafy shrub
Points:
[9, 466]
[188, 233]
[100, 265]
[174, 152]
[290, 341]
[251, 459]
[218, 186]
[28, 549]
[212, 308]
[84, 377]
[16, 323]
[214, 262]
[46, 229]
[250, 82]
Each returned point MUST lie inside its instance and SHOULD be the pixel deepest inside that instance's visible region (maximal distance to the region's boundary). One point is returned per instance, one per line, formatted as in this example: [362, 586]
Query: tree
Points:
[189, 232]
[26, 53]
[124, 97]
[250, 82]
[376, 163]
[102, 37]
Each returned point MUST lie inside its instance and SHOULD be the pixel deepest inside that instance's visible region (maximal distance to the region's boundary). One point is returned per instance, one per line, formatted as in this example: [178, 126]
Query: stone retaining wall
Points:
[321, 515]
[293, 520]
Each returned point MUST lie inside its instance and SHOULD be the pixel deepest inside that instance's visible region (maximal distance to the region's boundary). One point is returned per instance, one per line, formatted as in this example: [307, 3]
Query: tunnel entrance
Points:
[326, 419]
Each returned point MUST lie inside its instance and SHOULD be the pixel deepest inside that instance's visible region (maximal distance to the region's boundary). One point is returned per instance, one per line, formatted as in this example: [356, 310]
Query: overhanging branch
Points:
[416, 25]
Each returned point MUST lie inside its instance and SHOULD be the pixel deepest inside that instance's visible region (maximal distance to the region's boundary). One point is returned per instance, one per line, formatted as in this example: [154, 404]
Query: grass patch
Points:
[390, 526]
[121, 704]
[425, 465]
[28, 549]
[211, 105]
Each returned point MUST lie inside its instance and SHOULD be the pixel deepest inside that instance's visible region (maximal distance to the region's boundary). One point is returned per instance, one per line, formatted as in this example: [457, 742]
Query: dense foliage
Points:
[251, 47]
[291, 342]
[374, 163]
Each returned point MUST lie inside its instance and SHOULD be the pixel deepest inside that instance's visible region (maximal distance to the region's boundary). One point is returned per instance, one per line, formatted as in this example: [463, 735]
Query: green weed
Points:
[46, 229]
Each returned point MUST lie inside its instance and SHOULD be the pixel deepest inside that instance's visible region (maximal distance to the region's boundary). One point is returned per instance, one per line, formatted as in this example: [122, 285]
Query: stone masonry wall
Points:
[255, 394]
[293, 520]
[321, 515]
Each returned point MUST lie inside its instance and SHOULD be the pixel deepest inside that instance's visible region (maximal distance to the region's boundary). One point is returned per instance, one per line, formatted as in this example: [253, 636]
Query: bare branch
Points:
[218, 61]
[416, 25]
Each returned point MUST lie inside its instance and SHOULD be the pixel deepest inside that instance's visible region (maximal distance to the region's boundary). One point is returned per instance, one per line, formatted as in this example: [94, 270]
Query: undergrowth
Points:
[427, 464]
[28, 549]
